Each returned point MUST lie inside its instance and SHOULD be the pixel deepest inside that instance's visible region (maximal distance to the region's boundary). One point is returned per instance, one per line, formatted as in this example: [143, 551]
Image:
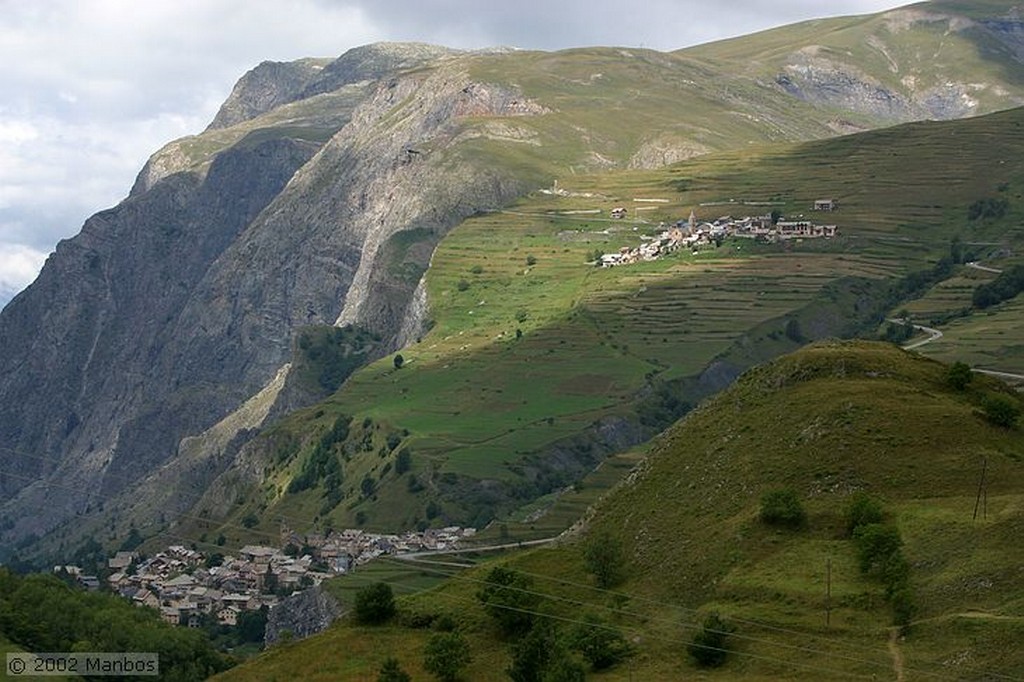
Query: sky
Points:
[91, 88]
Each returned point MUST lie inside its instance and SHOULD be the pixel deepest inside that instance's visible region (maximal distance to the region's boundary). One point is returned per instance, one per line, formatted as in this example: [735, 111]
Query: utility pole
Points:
[981, 488]
[828, 592]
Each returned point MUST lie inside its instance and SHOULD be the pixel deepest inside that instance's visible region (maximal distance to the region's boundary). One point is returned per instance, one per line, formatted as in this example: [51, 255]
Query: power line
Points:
[663, 620]
[250, 531]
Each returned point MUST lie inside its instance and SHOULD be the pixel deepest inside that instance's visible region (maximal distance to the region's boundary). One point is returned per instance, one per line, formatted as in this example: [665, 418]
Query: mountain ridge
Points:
[174, 308]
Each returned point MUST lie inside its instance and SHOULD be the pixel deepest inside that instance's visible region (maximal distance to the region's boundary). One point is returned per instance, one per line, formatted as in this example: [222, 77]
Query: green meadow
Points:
[530, 349]
[829, 421]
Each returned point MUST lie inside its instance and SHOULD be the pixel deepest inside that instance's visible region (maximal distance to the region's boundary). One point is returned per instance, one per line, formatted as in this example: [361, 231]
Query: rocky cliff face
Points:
[301, 615]
[922, 82]
[169, 311]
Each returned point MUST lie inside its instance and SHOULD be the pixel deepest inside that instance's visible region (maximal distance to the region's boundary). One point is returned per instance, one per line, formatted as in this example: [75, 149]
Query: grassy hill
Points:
[538, 365]
[828, 422]
[911, 61]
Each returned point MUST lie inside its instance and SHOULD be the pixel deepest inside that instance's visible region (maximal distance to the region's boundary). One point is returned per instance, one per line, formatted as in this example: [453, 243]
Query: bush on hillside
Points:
[1001, 410]
[782, 508]
[534, 653]
[600, 642]
[793, 331]
[508, 598]
[959, 375]
[392, 671]
[864, 510]
[403, 461]
[990, 208]
[605, 558]
[877, 543]
[709, 647]
[445, 655]
[375, 604]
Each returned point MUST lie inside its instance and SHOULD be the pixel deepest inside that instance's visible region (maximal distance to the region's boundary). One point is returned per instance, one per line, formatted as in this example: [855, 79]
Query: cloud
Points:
[657, 24]
[19, 265]
[92, 89]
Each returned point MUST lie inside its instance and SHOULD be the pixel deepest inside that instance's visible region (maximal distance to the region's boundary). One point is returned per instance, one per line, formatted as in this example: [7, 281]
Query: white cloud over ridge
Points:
[91, 89]
[19, 265]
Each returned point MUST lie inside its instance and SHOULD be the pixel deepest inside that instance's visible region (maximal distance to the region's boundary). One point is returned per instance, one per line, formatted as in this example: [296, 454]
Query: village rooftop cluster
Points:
[184, 584]
[693, 235]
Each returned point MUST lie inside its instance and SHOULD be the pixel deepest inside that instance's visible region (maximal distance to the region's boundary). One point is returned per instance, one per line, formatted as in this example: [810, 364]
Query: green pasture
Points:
[989, 339]
[528, 344]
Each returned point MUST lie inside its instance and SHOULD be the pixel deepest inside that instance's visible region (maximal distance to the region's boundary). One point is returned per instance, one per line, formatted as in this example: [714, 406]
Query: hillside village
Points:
[184, 584]
[694, 235]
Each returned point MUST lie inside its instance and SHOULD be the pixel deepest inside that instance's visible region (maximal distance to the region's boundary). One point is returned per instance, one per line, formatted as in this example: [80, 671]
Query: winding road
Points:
[933, 334]
[983, 268]
[413, 556]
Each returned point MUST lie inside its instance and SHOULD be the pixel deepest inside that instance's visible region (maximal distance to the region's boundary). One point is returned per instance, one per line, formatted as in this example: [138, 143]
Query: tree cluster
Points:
[1005, 286]
[43, 613]
[989, 208]
[326, 355]
[880, 555]
[322, 463]
[541, 650]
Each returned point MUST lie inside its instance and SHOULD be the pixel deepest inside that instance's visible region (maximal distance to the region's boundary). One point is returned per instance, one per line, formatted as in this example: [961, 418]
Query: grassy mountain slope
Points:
[932, 59]
[494, 419]
[829, 421]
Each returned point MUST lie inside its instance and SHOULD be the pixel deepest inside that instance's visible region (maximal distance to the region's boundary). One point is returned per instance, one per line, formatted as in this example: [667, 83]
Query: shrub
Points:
[462, 285]
[863, 510]
[445, 655]
[403, 461]
[605, 559]
[601, 643]
[399, 361]
[709, 649]
[782, 508]
[375, 604]
[533, 654]
[958, 375]
[988, 208]
[508, 599]
[1004, 287]
[793, 331]
[391, 671]
[877, 543]
[904, 608]
[1001, 410]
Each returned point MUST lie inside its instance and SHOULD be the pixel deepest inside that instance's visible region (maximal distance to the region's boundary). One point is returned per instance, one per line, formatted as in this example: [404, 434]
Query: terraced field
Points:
[988, 340]
[590, 337]
[534, 355]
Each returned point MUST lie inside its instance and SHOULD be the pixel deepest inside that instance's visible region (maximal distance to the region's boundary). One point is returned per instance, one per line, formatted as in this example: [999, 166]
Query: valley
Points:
[496, 383]
[586, 314]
